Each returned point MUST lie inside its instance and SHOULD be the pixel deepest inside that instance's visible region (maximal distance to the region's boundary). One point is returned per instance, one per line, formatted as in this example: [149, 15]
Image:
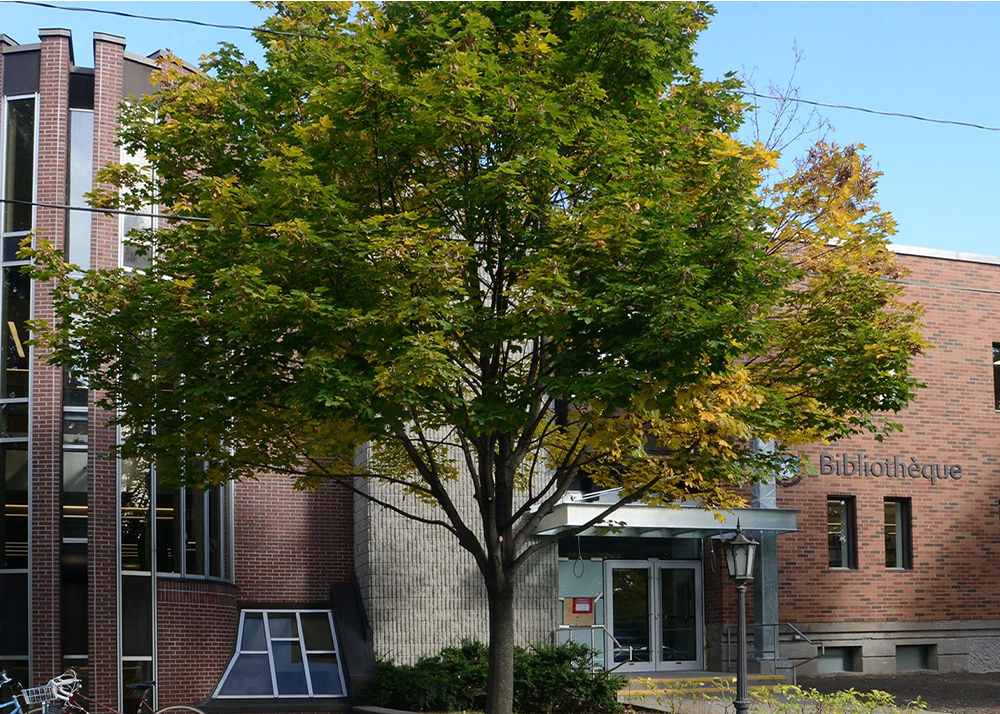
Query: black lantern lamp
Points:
[740, 553]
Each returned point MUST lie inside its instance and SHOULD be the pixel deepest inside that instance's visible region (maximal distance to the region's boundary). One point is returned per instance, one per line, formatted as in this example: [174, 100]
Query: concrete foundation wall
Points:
[952, 646]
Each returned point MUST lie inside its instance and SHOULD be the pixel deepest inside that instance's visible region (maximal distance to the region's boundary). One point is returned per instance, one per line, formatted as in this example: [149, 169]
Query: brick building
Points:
[223, 596]
[237, 596]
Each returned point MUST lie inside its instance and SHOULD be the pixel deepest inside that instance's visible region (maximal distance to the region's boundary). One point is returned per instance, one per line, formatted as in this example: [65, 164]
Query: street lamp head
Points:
[740, 552]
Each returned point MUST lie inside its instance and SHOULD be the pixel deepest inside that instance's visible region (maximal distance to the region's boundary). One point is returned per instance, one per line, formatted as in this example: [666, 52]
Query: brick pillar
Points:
[46, 448]
[102, 469]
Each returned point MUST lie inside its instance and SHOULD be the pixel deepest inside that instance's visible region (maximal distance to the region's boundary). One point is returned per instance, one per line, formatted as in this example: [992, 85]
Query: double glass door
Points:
[654, 613]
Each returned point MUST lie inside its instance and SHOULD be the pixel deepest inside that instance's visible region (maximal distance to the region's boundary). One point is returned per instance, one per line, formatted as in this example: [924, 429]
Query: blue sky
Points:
[933, 59]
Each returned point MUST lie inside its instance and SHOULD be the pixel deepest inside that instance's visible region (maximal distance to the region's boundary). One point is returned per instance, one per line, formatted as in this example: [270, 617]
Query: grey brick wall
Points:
[424, 592]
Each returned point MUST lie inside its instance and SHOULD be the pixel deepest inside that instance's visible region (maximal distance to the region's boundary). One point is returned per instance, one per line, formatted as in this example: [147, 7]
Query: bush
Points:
[556, 680]
[547, 680]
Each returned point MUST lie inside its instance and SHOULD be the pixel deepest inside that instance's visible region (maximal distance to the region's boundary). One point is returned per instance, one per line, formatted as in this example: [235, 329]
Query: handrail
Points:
[593, 643]
[797, 636]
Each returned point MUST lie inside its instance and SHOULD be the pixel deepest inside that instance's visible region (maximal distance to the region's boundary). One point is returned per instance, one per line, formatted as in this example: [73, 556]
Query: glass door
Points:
[629, 598]
[679, 616]
[654, 615]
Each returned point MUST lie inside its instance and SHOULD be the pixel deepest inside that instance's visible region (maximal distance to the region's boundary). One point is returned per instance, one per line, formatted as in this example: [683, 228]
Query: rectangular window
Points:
[996, 376]
[841, 532]
[81, 180]
[897, 533]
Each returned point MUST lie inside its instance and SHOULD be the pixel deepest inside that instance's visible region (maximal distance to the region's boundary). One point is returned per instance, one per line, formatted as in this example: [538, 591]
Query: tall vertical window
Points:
[841, 532]
[135, 228]
[18, 148]
[996, 376]
[81, 180]
[898, 553]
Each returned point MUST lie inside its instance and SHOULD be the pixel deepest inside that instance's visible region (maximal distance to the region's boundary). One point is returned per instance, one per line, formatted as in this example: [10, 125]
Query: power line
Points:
[199, 23]
[868, 111]
[304, 35]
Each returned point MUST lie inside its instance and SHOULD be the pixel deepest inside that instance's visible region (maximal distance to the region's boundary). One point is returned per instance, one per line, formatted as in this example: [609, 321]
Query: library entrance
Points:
[654, 611]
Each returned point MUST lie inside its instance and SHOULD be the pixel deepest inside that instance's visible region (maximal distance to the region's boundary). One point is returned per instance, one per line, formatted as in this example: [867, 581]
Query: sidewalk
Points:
[713, 694]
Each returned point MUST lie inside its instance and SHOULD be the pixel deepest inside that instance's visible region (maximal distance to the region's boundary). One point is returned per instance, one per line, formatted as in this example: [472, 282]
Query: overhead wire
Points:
[797, 100]
[199, 23]
[305, 35]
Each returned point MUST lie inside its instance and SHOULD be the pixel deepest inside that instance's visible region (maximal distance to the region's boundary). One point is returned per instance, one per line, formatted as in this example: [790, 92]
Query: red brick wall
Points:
[196, 634]
[103, 472]
[291, 545]
[46, 446]
[955, 527]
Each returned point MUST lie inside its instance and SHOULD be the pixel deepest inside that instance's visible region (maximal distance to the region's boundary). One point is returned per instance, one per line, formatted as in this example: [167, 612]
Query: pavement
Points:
[943, 693]
[951, 692]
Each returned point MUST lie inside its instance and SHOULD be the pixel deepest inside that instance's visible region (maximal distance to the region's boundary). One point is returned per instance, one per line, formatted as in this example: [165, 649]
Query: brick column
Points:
[102, 469]
[46, 448]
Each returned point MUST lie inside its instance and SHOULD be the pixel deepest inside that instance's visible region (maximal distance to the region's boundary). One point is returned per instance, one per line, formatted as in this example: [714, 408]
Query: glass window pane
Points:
[324, 671]
[216, 537]
[74, 390]
[14, 617]
[134, 672]
[81, 171]
[316, 630]
[20, 169]
[135, 517]
[289, 669]
[253, 633]
[194, 507]
[137, 619]
[74, 494]
[14, 420]
[74, 428]
[14, 535]
[249, 677]
[168, 529]
[14, 333]
[282, 625]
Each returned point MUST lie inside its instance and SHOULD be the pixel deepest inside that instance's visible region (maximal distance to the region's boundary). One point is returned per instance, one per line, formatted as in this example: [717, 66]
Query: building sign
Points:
[861, 466]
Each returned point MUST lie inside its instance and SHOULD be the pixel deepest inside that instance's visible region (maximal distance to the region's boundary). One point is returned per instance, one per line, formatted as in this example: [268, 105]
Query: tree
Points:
[513, 241]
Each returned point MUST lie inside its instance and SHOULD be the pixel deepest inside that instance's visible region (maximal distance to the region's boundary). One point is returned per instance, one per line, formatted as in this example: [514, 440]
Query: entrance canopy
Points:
[683, 521]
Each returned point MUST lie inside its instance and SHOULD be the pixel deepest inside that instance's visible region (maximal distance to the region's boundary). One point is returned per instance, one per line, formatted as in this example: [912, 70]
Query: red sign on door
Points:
[583, 605]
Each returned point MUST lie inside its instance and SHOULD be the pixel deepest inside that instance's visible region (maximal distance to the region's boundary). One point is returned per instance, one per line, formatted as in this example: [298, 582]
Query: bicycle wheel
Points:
[179, 709]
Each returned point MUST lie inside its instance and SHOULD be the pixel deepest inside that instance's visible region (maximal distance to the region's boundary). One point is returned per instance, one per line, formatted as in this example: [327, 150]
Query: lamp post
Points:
[740, 552]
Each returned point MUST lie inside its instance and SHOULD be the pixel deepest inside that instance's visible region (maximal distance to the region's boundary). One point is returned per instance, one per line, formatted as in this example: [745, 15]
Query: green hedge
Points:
[547, 680]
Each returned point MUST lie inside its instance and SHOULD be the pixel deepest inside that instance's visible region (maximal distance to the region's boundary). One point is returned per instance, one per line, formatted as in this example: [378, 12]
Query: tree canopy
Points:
[506, 242]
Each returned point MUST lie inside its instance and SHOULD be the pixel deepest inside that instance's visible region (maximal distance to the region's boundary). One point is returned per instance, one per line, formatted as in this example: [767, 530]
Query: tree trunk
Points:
[500, 684]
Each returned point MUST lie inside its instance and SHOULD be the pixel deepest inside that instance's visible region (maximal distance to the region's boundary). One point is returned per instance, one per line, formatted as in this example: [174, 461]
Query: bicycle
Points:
[58, 689]
[14, 705]
[62, 695]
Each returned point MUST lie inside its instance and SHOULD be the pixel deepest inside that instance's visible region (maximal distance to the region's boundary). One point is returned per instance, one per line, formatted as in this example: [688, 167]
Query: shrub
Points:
[547, 680]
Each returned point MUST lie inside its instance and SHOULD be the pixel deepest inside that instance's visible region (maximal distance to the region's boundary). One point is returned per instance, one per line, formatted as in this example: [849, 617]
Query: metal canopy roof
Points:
[666, 522]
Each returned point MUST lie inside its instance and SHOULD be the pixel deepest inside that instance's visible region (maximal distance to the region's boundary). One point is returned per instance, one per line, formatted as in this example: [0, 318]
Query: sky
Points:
[933, 59]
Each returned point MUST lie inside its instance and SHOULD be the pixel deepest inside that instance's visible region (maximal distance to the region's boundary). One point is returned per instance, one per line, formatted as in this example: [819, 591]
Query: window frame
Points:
[903, 546]
[848, 533]
[996, 376]
[269, 639]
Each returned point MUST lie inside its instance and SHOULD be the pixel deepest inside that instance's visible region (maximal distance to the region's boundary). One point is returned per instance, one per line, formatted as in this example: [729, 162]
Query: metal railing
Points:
[792, 634]
[606, 635]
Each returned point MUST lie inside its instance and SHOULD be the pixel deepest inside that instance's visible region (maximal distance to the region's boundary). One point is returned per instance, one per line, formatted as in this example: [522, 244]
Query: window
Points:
[996, 376]
[135, 228]
[897, 533]
[284, 653]
[841, 532]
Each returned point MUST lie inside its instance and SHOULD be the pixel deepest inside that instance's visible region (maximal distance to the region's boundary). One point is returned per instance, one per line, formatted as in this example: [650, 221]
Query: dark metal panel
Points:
[136, 79]
[21, 72]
